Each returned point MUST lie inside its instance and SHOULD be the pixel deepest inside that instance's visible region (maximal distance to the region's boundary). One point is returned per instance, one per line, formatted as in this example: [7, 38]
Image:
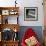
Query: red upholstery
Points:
[29, 33]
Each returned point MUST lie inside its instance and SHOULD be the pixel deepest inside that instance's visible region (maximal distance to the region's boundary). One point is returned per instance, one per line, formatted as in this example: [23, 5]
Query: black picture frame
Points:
[30, 13]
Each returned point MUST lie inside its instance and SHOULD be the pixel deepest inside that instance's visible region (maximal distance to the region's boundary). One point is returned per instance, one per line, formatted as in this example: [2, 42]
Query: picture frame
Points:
[30, 13]
[5, 12]
[13, 12]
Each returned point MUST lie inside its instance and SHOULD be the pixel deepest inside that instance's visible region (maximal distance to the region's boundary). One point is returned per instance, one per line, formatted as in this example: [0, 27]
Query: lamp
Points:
[15, 3]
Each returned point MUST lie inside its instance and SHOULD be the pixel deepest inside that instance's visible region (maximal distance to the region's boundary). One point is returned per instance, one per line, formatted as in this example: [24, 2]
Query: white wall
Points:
[32, 3]
[26, 3]
[6, 3]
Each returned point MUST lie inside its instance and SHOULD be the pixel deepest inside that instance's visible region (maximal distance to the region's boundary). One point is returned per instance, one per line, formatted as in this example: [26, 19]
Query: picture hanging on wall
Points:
[30, 13]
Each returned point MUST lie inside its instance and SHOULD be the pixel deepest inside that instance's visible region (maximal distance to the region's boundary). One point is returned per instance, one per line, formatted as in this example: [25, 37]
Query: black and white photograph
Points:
[31, 13]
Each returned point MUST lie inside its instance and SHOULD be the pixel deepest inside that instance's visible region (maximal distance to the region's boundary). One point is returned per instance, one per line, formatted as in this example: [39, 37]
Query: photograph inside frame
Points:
[31, 13]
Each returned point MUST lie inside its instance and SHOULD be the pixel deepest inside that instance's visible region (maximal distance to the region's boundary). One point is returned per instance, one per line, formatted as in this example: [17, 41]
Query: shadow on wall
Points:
[37, 29]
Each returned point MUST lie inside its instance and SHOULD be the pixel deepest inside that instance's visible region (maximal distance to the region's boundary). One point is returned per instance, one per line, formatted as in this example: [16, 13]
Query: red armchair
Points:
[29, 34]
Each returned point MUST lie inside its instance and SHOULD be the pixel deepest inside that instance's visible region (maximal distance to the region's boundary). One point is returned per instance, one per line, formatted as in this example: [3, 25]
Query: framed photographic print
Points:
[5, 12]
[30, 13]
